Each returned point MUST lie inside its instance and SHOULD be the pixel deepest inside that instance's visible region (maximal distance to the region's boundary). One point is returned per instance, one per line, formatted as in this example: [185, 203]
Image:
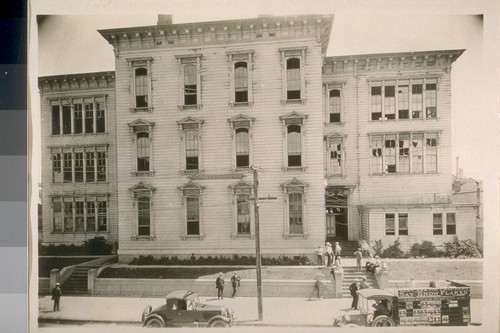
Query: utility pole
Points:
[257, 239]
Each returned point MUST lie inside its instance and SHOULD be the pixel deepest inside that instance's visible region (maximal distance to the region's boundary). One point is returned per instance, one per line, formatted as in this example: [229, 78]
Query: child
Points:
[319, 254]
[358, 254]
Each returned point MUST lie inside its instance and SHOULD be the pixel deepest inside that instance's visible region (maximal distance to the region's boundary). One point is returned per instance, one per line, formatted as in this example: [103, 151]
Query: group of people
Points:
[220, 282]
[330, 255]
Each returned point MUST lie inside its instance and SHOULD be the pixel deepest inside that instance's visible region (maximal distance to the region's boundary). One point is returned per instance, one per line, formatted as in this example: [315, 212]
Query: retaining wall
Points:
[206, 287]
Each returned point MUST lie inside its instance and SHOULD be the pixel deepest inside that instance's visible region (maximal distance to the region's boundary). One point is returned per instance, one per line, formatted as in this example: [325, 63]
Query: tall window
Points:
[193, 215]
[90, 166]
[89, 118]
[144, 216]
[57, 215]
[79, 167]
[191, 149]
[102, 216]
[389, 102]
[294, 146]
[407, 95]
[91, 215]
[430, 101]
[451, 224]
[403, 224]
[293, 78]
[56, 168]
[335, 155]
[404, 153]
[437, 224]
[56, 118]
[240, 82]
[295, 213]
[101, 118]
[335, 106]
[68, 215]
[78, 118]
[141, 87]
[68, 167]
[190, 80]
[101, 166]
[142, 151]
[240, 77]
[192, 201]
[79, 216]
[293, 75]
[66, 119]
[390, 224]
[190, 85]
[416, 101]
[243, 214]
[242, 148]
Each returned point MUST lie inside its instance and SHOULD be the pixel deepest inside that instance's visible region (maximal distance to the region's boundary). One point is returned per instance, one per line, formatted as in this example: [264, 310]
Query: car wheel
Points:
[383, 321]
[154, 322]
[219, 323]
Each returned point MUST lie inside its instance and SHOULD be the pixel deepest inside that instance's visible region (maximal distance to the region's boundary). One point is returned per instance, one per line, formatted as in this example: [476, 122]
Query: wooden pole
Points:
[257, 241]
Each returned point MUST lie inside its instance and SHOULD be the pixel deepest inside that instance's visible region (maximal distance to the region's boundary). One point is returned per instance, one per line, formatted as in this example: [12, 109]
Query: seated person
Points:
[380, 309]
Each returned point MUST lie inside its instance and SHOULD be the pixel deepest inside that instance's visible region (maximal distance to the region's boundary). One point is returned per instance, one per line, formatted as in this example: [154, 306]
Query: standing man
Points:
[219, 284]
[353, 288]
[235, 281]
[329, 254]
[319, 255]
[363, 284]
[358, 254]
[337, 250]
[56, 296]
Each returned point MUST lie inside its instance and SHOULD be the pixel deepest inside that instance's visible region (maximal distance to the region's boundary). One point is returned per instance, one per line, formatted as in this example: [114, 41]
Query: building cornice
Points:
[437, 60]
[76, 82]
[318, 27]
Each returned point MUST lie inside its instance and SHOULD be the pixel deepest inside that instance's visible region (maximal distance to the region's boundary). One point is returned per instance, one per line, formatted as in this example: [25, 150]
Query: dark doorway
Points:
[336, 214]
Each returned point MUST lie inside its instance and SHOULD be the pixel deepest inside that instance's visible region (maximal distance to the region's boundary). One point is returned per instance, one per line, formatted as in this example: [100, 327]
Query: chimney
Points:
[164, 19]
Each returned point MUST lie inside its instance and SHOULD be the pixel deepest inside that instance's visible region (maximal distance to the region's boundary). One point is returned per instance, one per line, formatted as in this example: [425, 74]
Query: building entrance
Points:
[336, 214]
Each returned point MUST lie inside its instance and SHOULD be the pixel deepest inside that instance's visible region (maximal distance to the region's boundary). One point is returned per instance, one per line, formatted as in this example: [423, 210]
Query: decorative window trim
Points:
[329, 87]
[138, 191]
[190, 189]
[409, 81]
[329, 139]
[137, 127]
[294, 186]
[424, 135]
[241, 188]
[233, 58]
[186, 124]
[135, 63]
[287, 53]
[294, 118]
[184, 60]
[241, 121]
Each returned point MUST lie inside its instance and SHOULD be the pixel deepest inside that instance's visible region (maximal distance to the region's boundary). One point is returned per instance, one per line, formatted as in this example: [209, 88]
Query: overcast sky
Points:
[71, 44]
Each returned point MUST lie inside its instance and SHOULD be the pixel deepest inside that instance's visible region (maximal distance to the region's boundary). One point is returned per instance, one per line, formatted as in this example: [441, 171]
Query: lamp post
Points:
[257, 240]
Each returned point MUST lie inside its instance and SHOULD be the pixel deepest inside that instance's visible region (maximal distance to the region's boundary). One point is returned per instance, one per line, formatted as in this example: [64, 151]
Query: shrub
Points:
[379, 245]
[97, 246]
[219, 260]
[465, 248]
[394, 250]
[425, 249]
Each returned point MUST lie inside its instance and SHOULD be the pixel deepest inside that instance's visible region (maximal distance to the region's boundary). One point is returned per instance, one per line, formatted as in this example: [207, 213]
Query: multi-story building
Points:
[78, 157]
[352, 147]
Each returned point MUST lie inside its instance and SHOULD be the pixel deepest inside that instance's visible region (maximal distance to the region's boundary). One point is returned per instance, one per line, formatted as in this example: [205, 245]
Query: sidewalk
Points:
[277, 311]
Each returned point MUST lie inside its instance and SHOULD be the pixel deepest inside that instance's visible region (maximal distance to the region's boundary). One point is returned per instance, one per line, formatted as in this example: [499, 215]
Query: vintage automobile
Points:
[183, 309]
[447, 306]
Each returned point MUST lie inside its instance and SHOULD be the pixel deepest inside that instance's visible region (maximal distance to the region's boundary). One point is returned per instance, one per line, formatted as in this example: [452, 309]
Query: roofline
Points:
[456, 52]
[75, 75]
[266, 19]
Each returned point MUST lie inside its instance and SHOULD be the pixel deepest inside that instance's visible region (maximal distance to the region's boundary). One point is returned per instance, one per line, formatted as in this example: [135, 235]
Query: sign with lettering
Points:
[433, 292]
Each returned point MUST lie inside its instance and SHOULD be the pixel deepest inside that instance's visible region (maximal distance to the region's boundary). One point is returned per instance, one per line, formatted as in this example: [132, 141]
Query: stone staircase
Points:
[77, 283]
[352, 274]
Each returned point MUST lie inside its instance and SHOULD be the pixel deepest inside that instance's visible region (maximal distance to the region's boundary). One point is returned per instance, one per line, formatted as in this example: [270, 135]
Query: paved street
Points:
[277, 311]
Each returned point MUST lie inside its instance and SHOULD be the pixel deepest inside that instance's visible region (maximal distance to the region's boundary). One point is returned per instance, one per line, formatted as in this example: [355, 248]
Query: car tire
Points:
[383, 321]
[153, 322]
[218, 323]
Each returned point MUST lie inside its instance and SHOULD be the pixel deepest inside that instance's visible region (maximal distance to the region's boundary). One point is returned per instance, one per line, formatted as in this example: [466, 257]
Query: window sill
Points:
[144, 238]
[198, 237]
[191, 172]
[295, 168]
[142, 173]
[141, 109]
[240, 169]
[295, 236]
[78, 232]
[78, 135]
[242, 236]
[103, 182]
[190, 107]
[241, 104]
[338, 123]
[293, 101]
[404, 119]
[332, 175]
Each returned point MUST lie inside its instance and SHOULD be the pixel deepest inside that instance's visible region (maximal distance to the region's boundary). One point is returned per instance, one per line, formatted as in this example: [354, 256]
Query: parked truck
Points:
[446, 306]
